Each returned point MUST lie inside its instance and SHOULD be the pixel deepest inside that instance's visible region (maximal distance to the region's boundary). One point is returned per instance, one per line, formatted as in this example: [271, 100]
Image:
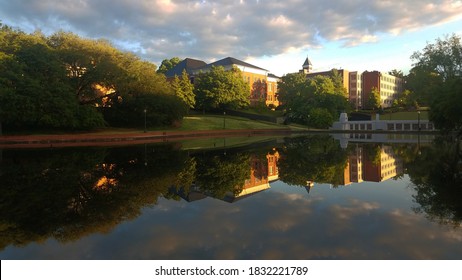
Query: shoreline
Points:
[130, 138]
[94, 139]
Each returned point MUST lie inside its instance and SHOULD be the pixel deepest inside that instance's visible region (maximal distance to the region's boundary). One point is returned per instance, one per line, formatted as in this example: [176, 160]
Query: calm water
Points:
[308, 197]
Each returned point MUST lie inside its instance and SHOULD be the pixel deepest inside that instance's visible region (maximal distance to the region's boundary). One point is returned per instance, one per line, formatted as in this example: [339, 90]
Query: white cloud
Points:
[213, 29]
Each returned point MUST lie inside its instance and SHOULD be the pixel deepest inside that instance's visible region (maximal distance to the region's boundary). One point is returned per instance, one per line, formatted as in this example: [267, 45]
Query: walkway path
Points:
[98, 139]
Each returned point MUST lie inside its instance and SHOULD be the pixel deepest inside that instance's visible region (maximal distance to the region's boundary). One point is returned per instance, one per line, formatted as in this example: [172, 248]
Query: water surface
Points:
[310, 197]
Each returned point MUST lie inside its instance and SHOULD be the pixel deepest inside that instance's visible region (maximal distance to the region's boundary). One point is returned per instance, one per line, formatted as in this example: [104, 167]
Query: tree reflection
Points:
[316, 158]
[219, 174]
[67, 194]
[436, 173]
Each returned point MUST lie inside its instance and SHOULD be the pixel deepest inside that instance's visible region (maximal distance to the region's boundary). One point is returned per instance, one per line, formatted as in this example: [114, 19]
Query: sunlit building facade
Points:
[355, 90]
[263, 84]
[388, 86]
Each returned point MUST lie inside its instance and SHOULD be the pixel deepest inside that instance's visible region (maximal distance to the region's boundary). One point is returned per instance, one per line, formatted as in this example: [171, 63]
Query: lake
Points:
[310, 197]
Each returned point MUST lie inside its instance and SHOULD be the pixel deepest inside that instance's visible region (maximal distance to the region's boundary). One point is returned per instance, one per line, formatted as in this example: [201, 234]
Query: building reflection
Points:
[373, 165]
[366, 164]
[263, 171]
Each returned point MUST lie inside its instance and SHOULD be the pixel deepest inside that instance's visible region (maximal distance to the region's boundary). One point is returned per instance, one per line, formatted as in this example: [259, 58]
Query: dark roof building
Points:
[187, 64]
[229, 62]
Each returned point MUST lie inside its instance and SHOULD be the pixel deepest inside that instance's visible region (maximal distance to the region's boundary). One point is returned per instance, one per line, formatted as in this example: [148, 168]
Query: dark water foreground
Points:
[297, 198]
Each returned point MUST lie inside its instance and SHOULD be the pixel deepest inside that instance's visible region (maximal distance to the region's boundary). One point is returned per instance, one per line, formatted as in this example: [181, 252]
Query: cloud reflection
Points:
[274, 225]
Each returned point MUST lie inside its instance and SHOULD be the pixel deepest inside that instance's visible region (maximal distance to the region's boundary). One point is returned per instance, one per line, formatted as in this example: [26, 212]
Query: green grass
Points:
[403, 116]
[219, 143]
[262, 111]
[210, 122]
[190, 123]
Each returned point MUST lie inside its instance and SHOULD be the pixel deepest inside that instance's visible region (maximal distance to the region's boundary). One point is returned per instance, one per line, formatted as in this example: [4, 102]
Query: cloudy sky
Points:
[273, 34]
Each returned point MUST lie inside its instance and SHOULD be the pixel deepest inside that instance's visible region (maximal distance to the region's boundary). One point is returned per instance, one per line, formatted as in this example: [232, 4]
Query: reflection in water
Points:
[436, 173]
[67, 194]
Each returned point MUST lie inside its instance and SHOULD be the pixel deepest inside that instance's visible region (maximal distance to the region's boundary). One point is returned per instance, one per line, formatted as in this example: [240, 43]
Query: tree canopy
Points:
[374, 101]
[221, 89]
[437, 79]
[184, 89]
[316, 102]
[63, 81]
[168, 64]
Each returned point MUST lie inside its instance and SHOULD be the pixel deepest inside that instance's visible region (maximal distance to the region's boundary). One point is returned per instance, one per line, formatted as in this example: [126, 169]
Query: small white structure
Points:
[391, 125]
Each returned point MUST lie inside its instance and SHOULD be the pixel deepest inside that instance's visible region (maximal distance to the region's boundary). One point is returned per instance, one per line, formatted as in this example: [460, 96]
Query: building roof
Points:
[233, 61]
[271, 75]
[307, 63]
[187, 64]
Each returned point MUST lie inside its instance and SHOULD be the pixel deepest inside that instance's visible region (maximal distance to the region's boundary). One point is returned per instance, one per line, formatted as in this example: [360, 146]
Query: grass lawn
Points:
[261, 111]
[190, 123]
[403, 116]
[219, 143]
[208, 122]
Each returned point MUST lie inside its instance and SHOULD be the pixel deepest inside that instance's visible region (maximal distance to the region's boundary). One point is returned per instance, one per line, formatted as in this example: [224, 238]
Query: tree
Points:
[438, 74]
[312, 102]
[406, 99]
[374, 101]
[34, 88]
[337, 80]
[444, 57]
[168, 64]
[184, 89]
[88, 63]
[221, 89]
[396, 73]
[63, 81]
[129, 110]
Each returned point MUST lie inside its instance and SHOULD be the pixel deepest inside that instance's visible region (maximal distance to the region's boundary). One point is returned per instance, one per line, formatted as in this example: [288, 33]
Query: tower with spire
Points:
[307, 66]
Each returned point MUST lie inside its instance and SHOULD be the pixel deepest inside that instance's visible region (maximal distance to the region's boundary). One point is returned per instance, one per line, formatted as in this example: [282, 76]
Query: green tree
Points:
[34, 90]
[88, 63]
[221, 89]
[184, 89]
[406, 99]
[438, 76]
[396, 73]
[161, 110]
[374, 102]
[312, 102]
[168, 64]
[337, 80]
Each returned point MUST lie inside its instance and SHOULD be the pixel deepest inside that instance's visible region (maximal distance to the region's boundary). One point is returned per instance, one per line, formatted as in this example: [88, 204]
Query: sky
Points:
[277, 35]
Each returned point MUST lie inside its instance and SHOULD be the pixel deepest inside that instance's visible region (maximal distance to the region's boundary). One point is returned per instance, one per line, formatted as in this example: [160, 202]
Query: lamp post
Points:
[418, 120]
[145, 120]
[224, 119]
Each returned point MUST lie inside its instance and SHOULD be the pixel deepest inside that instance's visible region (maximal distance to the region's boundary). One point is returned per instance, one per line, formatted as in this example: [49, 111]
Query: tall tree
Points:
[312, 102]
[88, 62]
[374, 101]
[221, 89]
[337, 80]
[168, 64]
[396, 73]
[34, 90]
[184, 89]
[438, 72]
